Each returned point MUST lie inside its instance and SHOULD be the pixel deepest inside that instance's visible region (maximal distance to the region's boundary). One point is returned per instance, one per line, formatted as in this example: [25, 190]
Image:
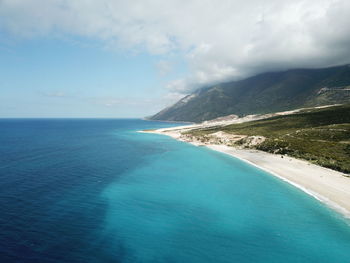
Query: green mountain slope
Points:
[264, 93]
[321, 136]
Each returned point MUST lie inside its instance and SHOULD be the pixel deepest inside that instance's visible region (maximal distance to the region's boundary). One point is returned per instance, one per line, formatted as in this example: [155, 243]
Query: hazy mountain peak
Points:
[263, 93]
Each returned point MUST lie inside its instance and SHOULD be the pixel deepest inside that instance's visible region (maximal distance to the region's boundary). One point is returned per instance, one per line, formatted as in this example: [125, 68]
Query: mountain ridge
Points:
[263, 93]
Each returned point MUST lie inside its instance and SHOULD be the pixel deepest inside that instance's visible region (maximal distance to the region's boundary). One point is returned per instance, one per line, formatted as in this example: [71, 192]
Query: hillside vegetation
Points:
[321, 136]
[264, 93]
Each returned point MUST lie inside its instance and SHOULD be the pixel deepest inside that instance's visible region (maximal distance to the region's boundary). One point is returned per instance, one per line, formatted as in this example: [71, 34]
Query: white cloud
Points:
[164, 67]
[220, 40]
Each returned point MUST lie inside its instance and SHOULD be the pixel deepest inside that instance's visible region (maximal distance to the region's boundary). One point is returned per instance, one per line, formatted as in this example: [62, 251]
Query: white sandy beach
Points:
[328, 186]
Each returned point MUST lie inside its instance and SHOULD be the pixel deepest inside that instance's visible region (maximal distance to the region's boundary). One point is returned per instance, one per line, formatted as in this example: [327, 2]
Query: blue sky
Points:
[45, 77]
[117, 58]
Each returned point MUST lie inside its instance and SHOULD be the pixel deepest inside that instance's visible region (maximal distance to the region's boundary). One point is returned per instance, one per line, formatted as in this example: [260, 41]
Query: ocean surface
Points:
[95, 190]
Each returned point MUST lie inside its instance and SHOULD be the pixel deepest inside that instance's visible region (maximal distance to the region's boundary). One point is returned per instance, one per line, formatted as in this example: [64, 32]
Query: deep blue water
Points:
[98, 191]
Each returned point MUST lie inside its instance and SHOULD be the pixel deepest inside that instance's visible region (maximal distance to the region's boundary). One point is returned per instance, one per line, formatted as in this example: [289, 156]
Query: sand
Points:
[326, 185]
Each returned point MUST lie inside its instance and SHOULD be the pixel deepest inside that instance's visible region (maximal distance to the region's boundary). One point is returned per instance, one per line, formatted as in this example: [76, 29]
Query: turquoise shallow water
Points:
[98, 191]
[191, 204]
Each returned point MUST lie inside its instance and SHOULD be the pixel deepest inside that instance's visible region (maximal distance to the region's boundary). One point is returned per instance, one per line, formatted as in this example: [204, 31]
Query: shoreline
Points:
[320, 197]
[330, 187]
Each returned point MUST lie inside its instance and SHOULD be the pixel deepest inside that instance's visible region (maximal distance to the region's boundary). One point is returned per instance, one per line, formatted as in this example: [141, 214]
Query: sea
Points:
[97, 190]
